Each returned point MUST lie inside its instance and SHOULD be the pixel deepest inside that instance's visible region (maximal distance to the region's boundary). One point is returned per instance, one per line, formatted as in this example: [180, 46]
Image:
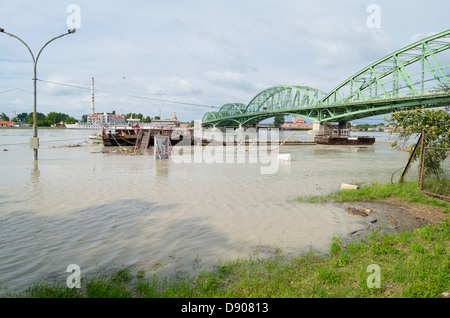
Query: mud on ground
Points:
[392, 216]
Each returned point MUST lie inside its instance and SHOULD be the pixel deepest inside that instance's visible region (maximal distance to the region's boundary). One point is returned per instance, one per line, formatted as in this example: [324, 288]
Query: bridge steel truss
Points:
[405, 79]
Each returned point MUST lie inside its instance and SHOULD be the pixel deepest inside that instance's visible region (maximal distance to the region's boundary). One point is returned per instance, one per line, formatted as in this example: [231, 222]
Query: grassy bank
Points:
[411, 264]
[407, 192]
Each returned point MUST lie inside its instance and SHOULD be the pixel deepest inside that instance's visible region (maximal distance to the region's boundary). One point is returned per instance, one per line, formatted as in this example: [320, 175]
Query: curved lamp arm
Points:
[15, 36]
[60, 36]
[35, 60]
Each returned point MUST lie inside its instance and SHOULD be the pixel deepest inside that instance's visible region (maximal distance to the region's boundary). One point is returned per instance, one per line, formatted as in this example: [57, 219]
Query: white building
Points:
[105, 118]
[173, 122]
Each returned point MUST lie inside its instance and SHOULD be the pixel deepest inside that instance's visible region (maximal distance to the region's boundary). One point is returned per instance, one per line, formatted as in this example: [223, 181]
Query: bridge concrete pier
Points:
[320, 128]
[325, 128]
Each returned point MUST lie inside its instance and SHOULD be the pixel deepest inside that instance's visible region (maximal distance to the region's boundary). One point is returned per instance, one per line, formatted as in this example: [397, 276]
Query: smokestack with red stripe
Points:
[92, 100]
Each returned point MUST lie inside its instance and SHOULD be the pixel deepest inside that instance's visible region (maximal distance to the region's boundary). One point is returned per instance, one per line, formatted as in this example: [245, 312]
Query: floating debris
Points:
[127, 151]
[358, 211]
[346, 186]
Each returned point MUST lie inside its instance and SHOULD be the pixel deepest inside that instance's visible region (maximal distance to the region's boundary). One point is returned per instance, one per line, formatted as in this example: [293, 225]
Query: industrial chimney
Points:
[92, 98]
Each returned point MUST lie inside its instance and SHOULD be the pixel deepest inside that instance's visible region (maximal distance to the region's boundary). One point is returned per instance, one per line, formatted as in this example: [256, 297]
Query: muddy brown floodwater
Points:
[78, 205]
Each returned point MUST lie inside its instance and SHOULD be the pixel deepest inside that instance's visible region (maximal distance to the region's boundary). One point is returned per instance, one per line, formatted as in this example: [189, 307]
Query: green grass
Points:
[440, 187]
[412, 264]
[407, 191]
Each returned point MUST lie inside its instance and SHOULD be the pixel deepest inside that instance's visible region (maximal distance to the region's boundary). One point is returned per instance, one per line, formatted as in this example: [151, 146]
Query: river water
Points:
[77, 205]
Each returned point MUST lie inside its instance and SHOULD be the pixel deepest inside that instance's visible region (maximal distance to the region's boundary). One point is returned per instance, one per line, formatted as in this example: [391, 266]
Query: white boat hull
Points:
[84, 126]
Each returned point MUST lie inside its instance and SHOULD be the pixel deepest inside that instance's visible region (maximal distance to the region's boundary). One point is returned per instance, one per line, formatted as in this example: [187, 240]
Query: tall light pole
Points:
[34, 141]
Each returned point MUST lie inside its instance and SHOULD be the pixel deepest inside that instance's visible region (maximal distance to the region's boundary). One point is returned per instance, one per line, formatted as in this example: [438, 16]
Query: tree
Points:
[436, 122]
[54, 117]
[278, 120]
[70, 120]
[411, 123]
[4, 117]
[130, 115]
[41, 119]
[22, 116]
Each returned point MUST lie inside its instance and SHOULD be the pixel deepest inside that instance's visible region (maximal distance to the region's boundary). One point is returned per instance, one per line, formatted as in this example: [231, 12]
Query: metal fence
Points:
[434, 172]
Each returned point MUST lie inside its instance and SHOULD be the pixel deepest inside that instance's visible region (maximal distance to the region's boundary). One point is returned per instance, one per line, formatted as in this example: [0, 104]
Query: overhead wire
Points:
[130, 95]
[17, 88]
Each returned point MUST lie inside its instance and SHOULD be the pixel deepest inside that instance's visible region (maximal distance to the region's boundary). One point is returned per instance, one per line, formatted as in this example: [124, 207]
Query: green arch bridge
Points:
[411, 77]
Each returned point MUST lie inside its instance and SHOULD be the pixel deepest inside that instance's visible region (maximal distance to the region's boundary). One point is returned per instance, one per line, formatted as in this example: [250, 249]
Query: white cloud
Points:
[421, 36]
[230, 79]
[203, 52]
[337, 40]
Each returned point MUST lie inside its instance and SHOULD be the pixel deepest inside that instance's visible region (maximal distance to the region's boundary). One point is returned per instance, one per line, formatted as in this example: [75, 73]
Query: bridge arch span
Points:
[209, 116]
[411, 71]
[231, 109]
[417, 75]
[283, 97]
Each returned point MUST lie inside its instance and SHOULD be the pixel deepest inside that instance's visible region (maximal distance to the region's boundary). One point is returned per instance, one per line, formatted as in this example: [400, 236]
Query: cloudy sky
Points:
[188, 56]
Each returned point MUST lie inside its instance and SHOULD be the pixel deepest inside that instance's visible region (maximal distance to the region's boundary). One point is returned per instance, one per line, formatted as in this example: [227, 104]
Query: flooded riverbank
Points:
[77, 205]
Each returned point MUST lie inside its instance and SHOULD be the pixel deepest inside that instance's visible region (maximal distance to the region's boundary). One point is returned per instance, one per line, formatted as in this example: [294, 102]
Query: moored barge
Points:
[135, 135]
[344, 140]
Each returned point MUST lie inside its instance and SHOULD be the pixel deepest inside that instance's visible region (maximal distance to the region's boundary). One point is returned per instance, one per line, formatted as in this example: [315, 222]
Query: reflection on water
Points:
[332, 150]
[79, 206]
[161, 168]
[35, 172]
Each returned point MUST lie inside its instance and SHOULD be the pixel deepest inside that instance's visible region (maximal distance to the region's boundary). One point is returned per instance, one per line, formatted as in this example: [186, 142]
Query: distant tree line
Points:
[54, 118]
[42, 119]
[366, 127]
[141, 117]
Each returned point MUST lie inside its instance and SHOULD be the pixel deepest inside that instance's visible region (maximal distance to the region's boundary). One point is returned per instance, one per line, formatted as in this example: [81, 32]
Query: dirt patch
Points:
[392, 216]
[422, 213]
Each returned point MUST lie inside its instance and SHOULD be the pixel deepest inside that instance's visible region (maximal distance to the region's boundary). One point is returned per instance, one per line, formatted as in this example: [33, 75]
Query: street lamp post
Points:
[34, 143]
